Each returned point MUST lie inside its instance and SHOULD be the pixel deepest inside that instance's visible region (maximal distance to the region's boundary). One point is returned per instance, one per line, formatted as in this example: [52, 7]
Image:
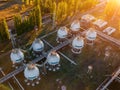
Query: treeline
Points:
[4, 32]
[112, 7]
[25, 24]
[61, 8]
[22, 24]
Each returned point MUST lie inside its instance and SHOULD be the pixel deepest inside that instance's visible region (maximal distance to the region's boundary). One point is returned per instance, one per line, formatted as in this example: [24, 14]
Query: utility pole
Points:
[12, 39]
[54, 15]
[36, 29]
[54, 24]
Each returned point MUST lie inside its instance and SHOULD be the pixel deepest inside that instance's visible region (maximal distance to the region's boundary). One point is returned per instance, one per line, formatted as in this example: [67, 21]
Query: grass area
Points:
[5, 46]
[74, 77]
[48, 81]
[90, 56]
[6, 63]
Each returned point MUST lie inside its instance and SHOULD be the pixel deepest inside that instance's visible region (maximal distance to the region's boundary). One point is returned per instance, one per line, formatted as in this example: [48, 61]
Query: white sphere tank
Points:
[16, 56]
[38, 45]
[78, 43]
[75, 26]
[53, 58]
[91, 34]
[31, 72]
[62, 32]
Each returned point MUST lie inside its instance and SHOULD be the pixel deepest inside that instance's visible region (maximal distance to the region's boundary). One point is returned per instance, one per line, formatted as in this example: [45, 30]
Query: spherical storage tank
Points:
[91, 35]
[31, 72]
[17, 56]
[53, 58]
[75, 26]
[77, 44]
[62, 32]
[38, 45]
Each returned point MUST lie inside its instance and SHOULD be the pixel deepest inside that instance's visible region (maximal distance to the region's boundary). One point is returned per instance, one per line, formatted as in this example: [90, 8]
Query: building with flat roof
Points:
[100, 24]
[109, 30]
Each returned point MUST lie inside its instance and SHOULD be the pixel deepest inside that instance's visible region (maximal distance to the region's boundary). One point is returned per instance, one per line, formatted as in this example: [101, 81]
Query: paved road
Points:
[7, 5]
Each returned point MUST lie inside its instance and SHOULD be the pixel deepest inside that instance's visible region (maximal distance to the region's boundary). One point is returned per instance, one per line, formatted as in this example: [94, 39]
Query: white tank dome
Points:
[31, 72]
[16, 56]
[91, 34]
[38, 45]
[75, 26]
[53, 58]
[78, 43]
[62, 32]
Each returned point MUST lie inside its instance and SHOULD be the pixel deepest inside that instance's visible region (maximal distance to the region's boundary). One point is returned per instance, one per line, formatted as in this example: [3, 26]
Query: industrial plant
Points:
[79, 52]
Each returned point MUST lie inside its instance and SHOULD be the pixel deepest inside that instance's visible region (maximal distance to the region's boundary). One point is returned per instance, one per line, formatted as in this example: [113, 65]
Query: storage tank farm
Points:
[37, 47]
[17, 57]
[32, 74]
[75, 27]
[62, 34]
[53, 61]
[77, 44]
[91, 35]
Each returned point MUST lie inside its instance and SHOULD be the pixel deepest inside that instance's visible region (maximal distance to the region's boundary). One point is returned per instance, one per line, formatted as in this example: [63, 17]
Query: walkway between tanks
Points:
[60, 53]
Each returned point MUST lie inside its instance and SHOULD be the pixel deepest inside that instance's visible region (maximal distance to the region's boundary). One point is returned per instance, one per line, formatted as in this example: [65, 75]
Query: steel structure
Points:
[103, 36]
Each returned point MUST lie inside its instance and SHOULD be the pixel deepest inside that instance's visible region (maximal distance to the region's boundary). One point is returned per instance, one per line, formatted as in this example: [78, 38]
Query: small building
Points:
[86, 20]
[100, 24]
[37, 46]
[77, 45]
[109, 30]
[53, 61]
[75, 27]
[16, 57]
[31, 74]
[91, 35]
[62, 34]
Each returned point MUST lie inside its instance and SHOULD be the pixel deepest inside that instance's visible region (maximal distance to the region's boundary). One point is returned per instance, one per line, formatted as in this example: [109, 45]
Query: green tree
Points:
[5, 27]
[27, 2]
[61, 12]
[37, 2]
[4, 32]
[17, 23]
[38, 17]
[48, 5]
[31, 19]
